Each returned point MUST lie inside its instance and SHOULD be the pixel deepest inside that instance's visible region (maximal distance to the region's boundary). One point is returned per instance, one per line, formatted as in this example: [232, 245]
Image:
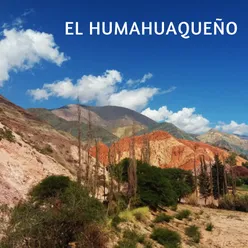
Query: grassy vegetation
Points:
[183, 214]
[131, 215]
[130, 239]
[194, 233]
[209, 227]
[163, 218]
[166, 237]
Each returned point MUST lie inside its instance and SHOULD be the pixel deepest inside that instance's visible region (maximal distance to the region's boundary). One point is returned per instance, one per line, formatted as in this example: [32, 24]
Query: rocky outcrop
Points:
[167, 151]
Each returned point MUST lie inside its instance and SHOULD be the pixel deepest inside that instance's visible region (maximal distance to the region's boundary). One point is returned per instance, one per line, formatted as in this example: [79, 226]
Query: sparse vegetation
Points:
[238, 202]
[163, 218]
[209, 227]
[130, 239]
[166, 237]
[7, 134]
[183, 214]
[47, 149]
[194, 233]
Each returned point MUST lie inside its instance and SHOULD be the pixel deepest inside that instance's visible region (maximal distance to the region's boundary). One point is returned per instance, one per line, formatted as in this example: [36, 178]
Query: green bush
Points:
[163, 218]
[50, 187]
[194, 233]
[130, 239]
[183, 214]
[55, 215]
[209, 227]
[166, 237]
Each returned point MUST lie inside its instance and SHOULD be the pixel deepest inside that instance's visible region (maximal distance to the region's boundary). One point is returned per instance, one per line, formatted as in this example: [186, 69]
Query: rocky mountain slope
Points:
[109, 122]
[224, 140]
[30, 150]
[169, 128]
[70, 125]
[167, 151]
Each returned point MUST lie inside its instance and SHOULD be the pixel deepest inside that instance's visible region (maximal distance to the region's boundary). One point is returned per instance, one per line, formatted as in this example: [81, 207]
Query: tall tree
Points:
[132, 168]
[195, 172]
[218, 175]
[232, 161]
[79, 126]
[204, 181]
[89, 145]
[146, 151]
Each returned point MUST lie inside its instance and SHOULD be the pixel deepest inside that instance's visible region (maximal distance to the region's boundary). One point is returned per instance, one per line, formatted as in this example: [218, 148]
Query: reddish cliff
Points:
[165, 150]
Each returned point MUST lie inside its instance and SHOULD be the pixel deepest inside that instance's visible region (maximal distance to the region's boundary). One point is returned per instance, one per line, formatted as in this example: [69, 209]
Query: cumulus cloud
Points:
[134, 99]
[21, 50]
[233, 127]
[103, 90]
[146, 77]
[185, 119]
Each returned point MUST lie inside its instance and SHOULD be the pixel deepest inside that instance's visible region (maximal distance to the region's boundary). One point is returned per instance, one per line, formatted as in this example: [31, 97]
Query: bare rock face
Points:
[35, 151]
[167, 151]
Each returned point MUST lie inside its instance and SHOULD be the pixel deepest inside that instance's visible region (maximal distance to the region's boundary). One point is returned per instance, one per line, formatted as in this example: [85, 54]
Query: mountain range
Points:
[40, 142]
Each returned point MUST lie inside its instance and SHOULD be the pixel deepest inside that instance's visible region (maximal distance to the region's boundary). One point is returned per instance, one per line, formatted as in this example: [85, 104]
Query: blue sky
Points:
[196, 83]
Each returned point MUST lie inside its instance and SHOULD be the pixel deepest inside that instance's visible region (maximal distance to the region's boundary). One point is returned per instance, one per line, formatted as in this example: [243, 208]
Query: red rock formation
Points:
[166, 151]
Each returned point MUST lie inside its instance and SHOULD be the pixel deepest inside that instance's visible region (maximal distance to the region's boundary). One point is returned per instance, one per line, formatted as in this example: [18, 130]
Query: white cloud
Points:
[134, 99]
[146, 77]
[233, 127]
[22, 49]
[103, 90]
[185, 119]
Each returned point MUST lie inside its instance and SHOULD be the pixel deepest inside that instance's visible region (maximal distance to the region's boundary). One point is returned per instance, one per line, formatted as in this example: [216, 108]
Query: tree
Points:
[204, 181]
[132, 169]
[218, 175]
[154, 189]
[182, 181]
[80, 169]
[232, 161]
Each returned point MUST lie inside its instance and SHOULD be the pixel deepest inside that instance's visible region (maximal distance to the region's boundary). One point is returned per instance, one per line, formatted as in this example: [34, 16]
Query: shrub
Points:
[130, 239]
[173, 208]
[7, 134]
[163, 218]
[183, 214]
[50, 187]
[209, 227]
[166, 237]
[131, 215]
[116, 221]
[239, 202]
[55, 215]
[194, 233]
[46, 150]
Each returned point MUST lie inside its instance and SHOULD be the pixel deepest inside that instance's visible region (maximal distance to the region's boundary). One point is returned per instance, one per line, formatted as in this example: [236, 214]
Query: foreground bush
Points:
[166, 237]
[163, 218]
[239, 202]
[183, 214]
[194, 233]
[57, 212]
